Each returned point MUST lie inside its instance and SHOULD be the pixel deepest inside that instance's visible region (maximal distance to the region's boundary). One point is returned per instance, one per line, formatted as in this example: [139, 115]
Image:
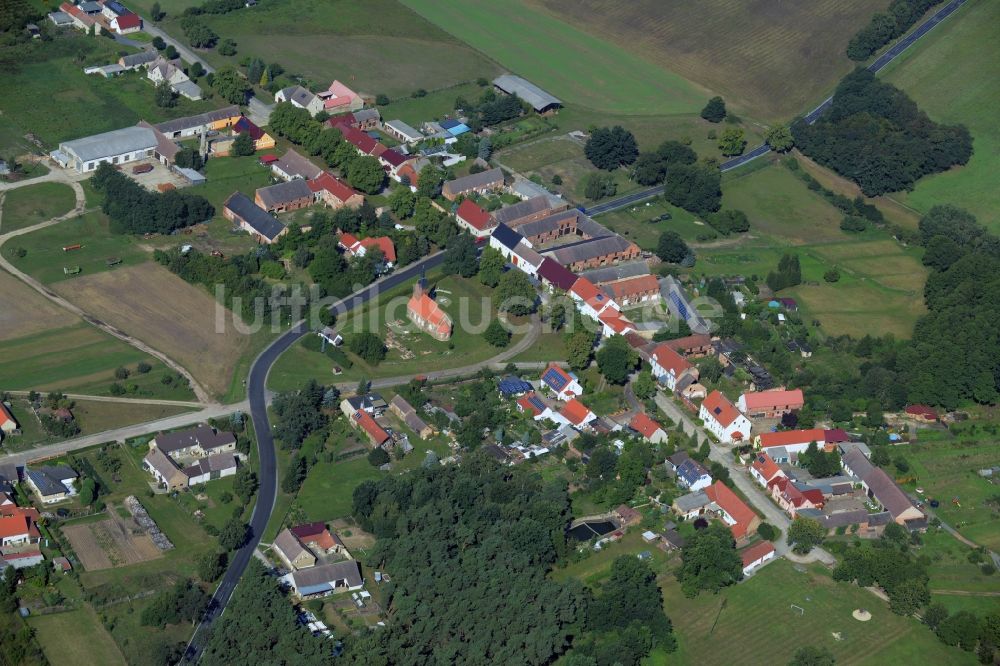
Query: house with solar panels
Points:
[511, 386]
[565, 385]
[534, 404]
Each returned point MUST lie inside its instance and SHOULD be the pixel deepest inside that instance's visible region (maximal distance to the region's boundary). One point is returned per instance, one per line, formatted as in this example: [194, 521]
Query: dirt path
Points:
[60, 175]
[132, 401]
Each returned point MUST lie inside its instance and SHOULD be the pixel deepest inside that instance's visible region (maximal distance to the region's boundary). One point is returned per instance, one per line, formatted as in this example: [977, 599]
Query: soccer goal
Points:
[798, 609]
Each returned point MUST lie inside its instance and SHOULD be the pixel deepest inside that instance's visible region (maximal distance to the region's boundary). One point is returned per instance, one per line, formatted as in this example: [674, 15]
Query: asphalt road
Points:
[878, 65]
[268, 471]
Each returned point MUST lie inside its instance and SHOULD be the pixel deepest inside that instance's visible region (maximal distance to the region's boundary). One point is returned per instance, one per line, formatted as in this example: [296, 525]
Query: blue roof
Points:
[458, 129]
[773, 304]
[507, 236]
[448, 124]
[116, 7]
[690, 470]
[554, 379]
[537, 403]
[681, 305]
[512, 385]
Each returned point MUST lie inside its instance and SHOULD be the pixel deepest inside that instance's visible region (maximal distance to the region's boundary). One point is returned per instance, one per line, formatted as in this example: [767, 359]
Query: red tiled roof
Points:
[644, 425]
[126, 21]
[727, 500]
[720, 409]
[475, 216]
[383, 243]
[268, 159]
[360, 140]
[590, 294]
[330, 183]
[314, 533]
[525, 403]
[836, 436]
[425, 308]
[5, 415]
[616, 321]
[669, 359]
[642, 284]
[773, 399]
[922, 410]
[347, 241]
[690, 342]
[575, 411]
[766, 467]
[756, 551]
[788, 437]
[244, 124]
[16, 524]
[368, 424]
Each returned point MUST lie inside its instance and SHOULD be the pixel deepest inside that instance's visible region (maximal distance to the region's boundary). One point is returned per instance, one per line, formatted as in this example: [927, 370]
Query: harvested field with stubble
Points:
[110, 543]
[23, 311]
[154, 305]
[771, 58]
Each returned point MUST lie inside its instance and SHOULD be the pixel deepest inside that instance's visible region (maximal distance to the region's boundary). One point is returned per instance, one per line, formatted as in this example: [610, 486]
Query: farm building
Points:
[478, 183]
[539, 100]
[61, 19]
[400, 131]
[120, 146]
[338, 98]
[281, 197]
[426, 314]
[137, 60]
[334, 192]
[220, 119]
[362, 142]
[622, 271]
[166, 150]
[474, 219]
[215, 466]
[595, 252]
[253, 219]
[556, 276]
[325, 579]
[883, 490]
[526, 211]
[365, 119]
[392, 160]
[292, 552]
[376, 433]
[319, 539]
[200, 441]
[293, 165]
[163, 469]
[591, 301]
[633, 291]
[770, 404]
[692, 345]
[408, 415]
[51, 483]
[301, 98]
[756, 555]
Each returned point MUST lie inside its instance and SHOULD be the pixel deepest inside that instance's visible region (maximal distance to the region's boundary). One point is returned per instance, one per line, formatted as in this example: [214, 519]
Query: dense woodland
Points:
[866, 113]
[135, 210]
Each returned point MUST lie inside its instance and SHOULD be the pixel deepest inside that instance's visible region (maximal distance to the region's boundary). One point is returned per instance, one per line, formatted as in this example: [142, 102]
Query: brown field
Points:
[165, 312]
[769, 57]
[110, 543]
[24, 311]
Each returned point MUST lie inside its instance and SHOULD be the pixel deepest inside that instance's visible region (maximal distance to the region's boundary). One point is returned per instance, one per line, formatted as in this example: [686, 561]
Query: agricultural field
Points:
[167, 313]
[63, 635]
[954, 75]
[321, 41]
[749, 52]
[411, 351]
[24, 312]
[946, 470]
[53, 71]
[32, 204]
[571, 64]
[109, 543]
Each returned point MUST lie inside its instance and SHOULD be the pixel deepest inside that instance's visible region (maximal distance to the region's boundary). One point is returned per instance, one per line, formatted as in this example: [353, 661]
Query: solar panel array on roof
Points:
[555, 380]
[681, 305]
[537, 403]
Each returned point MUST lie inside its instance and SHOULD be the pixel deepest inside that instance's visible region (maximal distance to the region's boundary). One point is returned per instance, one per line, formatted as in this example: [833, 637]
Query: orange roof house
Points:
[755, 555]
[362, 419]
[577, 413]
[428, 315]
[741, 519]
[764, 469]
[334, 192]
[769, 404]
[647, 427]
[473, 218]
[7, 422]
[18, 526]
[668, 366]
[723, 419]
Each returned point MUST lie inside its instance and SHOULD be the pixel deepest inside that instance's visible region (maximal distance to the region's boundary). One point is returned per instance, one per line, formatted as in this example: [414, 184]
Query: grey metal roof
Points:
[283, 193]
[692, 501]
[60, 18]
[474, 181]
[259, 219]
[137, 59]
[588, 249]
[348, 571]
[624, 270]
[366, 114]
[191, 175]
[295, 164]
[403, 129]
[189, 89]
[199, 120]
[526, 189]
[511, 214]
[526, 90]
[115, 142]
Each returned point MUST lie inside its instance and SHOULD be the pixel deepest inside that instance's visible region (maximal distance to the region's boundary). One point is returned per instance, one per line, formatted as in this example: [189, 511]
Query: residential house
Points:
[137, 60]
[534, 404]
[164, 470]
[882, 490]
[319, 539]
[376, 434]
[576, 413]
[359, 248]
[334, 192]
[83, 16]
[281, 197]
[121, 146]
[212, 467]
[526, 258]
[626, 515]
[364, 119]
[292, 552]
[8, 425]
[293, 165]
[301, 98]
[126, 23]
[692, 475]
[556, 276]
[753, 557]
[695, 346]
[764, 469]
[478, 183]
[370, 403]
[669, 366]
[614, 322]
[792, 498]
[261, 139]
[565, 385]
[740, 518]
[591, 300]
[633, 291]
[540, 101]
[325, 579]
[426, 314]
[51, 483]
[188, 126]
[162, 70]
[770, 404]
[648, 428]
[692, 505]
[338, 98]
[408, 415]
[253, 219]
[474, 219]
[723, 419]
[794, 442]
[362, 142]
[17, 526]
[402, 132]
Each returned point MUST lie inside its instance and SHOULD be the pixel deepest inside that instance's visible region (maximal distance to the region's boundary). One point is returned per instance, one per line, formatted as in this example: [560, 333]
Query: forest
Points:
[135, 210]
[868, 113]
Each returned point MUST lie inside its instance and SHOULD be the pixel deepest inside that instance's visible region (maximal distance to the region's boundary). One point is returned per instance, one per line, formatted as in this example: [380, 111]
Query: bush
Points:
[378, 457]
[832, 275]
[853, 224]
[143, 367]
[768, 531]
[714, 111]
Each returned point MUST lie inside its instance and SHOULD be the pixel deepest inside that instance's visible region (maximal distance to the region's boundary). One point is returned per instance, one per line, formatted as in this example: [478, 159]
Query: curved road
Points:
[876, 66]
[268, 472]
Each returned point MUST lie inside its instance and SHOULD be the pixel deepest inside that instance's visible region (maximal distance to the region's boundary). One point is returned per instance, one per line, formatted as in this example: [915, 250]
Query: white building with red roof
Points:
[648, 428]
[428, 315]
[474, 219]
[359, 248]
[723, 419]
[763, 469]
[756, 555]
[376, 434]
[669, 366]
[591, 301]
[576, 414]
[770, 404]
[334, 192]
[8, 425]
[740, 518]
[338, 98]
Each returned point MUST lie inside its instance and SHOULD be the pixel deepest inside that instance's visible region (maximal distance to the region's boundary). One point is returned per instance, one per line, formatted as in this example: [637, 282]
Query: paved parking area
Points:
[160, 175]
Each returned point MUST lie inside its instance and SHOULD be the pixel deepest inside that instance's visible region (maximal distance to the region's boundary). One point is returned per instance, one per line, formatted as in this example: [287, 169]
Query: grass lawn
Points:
[572, 65]
[636, 223]
[954, 75]
[327, 491]
[432, 106]
[225, 175]
[53, 71]
[461, 298]
[375, 46]
[64, 635]
[946, 470]
[950, 568]
[32, 204]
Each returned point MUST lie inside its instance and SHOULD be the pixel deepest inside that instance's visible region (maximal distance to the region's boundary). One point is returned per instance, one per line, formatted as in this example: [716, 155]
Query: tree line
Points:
[886, 26]
[876, 135]
[133, 209]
